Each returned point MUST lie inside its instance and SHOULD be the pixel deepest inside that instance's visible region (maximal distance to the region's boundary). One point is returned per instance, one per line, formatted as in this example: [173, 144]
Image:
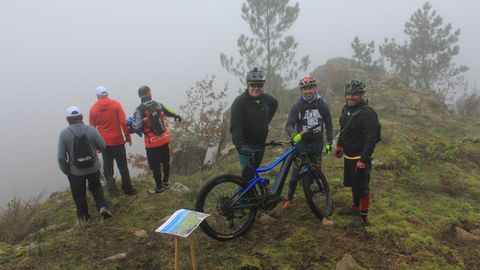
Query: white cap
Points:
[102, 91]
[73, 111]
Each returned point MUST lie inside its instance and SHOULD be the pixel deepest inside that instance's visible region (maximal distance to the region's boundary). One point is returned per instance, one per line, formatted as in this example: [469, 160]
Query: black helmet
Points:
[306, 82]
[256, 76]
[354, 87]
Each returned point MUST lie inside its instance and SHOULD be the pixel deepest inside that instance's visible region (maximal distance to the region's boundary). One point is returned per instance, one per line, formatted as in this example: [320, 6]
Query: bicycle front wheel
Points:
[317, 192]
[216, 198]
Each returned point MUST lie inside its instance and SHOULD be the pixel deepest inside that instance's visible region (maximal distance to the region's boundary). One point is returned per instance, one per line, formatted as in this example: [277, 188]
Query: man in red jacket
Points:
[108, 116]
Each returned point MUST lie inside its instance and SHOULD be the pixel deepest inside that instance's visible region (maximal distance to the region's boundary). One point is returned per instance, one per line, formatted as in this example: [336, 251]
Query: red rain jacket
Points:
[108, 116]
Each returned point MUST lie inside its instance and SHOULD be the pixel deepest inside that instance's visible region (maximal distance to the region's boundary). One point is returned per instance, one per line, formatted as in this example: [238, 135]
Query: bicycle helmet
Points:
[255, 76]
[354, 87]
[307, 82]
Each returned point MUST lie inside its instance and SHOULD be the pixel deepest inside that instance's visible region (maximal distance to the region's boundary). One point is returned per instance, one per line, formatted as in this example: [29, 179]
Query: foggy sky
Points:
[54, 54]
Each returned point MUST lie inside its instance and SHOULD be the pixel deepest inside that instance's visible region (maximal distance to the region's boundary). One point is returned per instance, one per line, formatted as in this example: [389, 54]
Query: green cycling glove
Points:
[328, 148]
[297, 138]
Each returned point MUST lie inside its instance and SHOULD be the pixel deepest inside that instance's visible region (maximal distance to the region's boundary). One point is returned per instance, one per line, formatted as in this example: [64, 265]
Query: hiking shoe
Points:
[166, 185]
[286, 204]
[360, 222]
[350, 211]
[105, 213]
[156, 190]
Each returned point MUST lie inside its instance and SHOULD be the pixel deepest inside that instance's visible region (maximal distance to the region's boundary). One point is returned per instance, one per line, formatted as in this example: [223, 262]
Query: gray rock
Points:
[179, 187]
[116, 257]
[465, 236]
[347, 263]
[266, 219]
[141, 233]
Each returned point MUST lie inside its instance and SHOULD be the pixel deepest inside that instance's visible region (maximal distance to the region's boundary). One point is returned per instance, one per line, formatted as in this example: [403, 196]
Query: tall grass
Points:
[21, 218]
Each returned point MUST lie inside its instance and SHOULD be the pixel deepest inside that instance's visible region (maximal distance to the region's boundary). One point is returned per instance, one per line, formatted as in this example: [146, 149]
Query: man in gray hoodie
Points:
[310, 112]
[77, 158]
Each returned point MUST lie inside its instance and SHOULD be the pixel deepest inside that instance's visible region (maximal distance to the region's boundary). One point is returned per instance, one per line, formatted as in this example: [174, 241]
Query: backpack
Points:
[152, 110]
[83, 154]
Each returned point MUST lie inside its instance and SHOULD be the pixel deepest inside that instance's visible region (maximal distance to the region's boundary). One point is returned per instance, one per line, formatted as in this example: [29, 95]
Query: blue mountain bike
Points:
[233, 201]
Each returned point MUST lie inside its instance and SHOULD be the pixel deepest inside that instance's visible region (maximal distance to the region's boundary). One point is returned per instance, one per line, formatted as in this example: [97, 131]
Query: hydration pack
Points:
[152, 111]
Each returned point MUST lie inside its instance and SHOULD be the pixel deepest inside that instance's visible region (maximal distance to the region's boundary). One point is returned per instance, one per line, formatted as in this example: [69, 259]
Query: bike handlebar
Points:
[274, 143]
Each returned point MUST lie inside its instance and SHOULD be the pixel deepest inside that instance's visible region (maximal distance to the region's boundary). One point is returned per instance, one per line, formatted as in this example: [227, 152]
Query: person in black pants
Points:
[150, 118]
[108, 117]
[81, 172]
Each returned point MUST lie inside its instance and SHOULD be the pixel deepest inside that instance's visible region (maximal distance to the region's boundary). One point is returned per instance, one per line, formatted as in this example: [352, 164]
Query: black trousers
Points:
[159, 157]
[78, 185]
[117, 153]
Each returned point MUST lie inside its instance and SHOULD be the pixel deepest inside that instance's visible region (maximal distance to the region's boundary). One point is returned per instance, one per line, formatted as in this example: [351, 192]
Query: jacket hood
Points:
[105, 104]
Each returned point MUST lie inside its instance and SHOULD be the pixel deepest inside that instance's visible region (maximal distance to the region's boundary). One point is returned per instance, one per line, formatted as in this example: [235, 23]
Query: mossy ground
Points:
[425, 181]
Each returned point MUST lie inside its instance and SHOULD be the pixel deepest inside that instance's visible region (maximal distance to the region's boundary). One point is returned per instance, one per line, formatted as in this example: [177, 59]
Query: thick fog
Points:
[54, 53]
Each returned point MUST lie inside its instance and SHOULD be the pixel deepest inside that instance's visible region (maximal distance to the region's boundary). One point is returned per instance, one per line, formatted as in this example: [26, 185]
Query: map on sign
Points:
[182, 223]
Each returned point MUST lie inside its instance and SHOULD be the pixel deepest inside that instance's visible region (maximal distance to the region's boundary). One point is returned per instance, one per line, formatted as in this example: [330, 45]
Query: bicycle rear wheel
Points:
[317, 192]
[216, 198]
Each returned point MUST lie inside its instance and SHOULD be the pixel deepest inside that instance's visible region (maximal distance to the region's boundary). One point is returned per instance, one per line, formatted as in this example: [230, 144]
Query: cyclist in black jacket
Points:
[251, 113]
[359, 133]
[308, 112]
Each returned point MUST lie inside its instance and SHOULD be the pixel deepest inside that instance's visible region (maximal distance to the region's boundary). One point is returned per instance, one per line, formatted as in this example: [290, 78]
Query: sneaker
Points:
[360, 222]
[286, 204]
[350, 211]
[166, 185]
[105, 213]
[156, 190]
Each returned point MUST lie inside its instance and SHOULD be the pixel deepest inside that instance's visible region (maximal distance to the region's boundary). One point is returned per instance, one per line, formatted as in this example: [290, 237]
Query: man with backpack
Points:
[251, 113]
[360, 131]
[150, 118]
[77, 158]
[310, 112]
[108, 116]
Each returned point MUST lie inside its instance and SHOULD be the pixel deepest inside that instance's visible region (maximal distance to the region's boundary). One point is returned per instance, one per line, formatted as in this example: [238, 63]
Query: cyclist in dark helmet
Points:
[251, 113]
[309, 111]
[359, 133]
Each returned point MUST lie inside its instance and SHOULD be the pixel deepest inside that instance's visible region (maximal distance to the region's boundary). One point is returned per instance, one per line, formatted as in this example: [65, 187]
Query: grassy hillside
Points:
[425, 182]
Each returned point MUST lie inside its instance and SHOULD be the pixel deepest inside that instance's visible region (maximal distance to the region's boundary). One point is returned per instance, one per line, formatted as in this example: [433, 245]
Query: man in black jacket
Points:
[251, 113]
[360, 132]
[309, 112]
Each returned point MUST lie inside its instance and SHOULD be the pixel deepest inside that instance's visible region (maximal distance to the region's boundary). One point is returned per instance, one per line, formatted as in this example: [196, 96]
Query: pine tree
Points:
[363, 56]
[425, 60]
[269, 48]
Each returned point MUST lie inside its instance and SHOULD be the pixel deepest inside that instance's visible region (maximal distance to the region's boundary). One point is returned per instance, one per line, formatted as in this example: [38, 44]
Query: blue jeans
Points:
[314, 150]
[250, 156]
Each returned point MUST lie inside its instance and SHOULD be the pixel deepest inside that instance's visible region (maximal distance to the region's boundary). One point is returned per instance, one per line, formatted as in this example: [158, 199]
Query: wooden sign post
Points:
[181, 224]
[191, 241]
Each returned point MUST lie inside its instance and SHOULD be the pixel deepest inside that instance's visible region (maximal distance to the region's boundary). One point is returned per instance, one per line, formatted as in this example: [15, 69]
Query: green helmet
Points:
[354, 87]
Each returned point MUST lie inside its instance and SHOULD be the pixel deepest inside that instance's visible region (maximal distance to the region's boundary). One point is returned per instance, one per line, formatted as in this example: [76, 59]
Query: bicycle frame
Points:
[286, 159]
